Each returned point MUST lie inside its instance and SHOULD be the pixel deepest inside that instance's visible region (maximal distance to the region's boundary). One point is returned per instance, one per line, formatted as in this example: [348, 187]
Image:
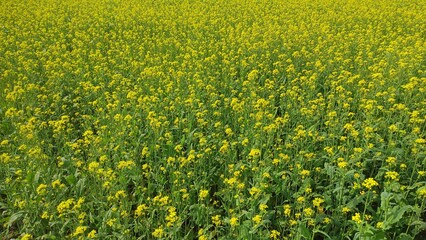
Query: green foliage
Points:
[210, 119]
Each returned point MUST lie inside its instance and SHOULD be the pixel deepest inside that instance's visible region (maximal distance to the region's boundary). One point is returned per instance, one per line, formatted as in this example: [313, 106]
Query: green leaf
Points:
[13, 218]
[48, 237]
[265, 199]
[378, 235]
[30, 176]
[395, 215]
[37, 177]
[404, 236]
[304, 231]
[323, 233]
[422, 225]
[71, 179]
[385, 198]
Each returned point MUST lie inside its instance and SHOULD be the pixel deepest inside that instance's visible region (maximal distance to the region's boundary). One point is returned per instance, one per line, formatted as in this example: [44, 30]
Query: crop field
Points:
[213, 119]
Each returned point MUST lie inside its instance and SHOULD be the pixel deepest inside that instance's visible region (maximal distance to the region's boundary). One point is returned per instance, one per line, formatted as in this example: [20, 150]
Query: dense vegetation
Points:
[212, 119]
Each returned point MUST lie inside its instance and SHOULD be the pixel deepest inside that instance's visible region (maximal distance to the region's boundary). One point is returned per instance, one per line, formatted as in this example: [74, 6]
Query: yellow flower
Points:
[266, 175]
[308, 212]
[393, 128]
[216, 220]
[79, 230]
[203, 141]
[120, 194]
[125, 164]
[56, 183]
[140, 210]
[41, 189]
[305, 173]
[257, 219]
[91, 234]
[274, 234]
[329, 150]
[78, 204]
[369, 183]
[158, 232]
[233, 221]
[358, 150]
[391, 160]
[27, 236]
[254, 153]
[253, 75]
[317, 202]
[106, 184]
[276, 161]
[357, 218]
[45, 215]
[392, 175]
[422, 192]
[342, 164]
[229, 132]
[225, 147]
[367, 217]
[203, 194]
[64, 205]
[254, 191]
[93, 166]
[345, 210]
[287, 210]
[145, 150]
[111, 222]
[263, 207]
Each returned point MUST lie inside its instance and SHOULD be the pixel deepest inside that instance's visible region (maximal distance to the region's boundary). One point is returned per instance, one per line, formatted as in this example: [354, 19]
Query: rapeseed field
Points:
[212, 119]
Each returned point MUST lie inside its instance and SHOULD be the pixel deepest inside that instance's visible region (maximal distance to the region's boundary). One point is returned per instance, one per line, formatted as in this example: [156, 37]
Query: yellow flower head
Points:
[140, 210]
[317, 202]
[158, 232]
[233, 221]
[203, 194]
[254, 153]
[357, 218]
[369, 183]
[392, 175]
[274, 234]
[91, 234]
[308, 212]
[254, 191]
[26, 237]
[79, 230]
[41, 189]
[216, 220]
[287, 210]
[346, 209]
[257, 219]
[422, 192]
